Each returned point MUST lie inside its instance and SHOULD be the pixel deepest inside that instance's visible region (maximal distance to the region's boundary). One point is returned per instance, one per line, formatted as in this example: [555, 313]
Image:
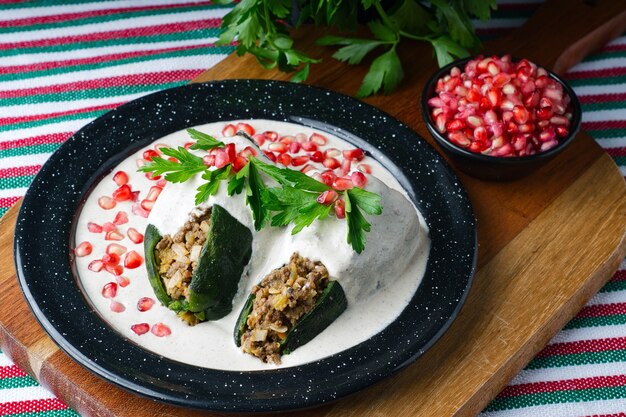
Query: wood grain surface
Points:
[548, 242]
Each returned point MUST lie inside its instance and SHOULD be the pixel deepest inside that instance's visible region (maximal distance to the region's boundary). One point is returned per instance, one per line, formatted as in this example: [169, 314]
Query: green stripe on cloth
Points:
[607, 133]
[29, 150]
[614, 286]
[16, 182]
[203, 51]
[606, 55]
[580, 322]
[585, 358]
[543, 398]
[112, 17]
[579, 82]
[207, 34]
[33, 4]
[105, 92]
[17, 382]
[3, 211]
[607, 105]
[53, 120]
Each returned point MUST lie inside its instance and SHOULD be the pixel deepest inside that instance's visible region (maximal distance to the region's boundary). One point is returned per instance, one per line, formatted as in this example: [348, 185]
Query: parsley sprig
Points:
[293, 201]
[262, 27]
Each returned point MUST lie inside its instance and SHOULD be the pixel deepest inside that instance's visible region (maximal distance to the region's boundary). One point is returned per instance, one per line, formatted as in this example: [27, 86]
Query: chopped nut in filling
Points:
[178, 256]
[281, 299]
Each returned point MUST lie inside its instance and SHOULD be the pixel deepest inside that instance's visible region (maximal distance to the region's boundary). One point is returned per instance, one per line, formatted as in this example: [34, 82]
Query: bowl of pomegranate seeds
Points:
[499, 118]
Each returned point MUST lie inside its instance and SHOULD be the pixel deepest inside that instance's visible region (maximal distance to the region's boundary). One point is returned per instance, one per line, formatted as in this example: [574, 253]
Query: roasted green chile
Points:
[328, 307]
[215, 279]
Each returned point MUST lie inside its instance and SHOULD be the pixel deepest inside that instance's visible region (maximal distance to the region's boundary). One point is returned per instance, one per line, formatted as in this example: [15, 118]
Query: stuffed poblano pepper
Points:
[288, 308]
[196, 272]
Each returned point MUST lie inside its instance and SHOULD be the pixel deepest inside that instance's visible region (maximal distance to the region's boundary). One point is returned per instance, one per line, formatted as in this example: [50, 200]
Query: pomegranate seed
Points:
[328, 177]
[221, 159]
[229, 130]
[154, 193]
[344, 169]
[109, 227]
[83, 249]
[284, 159]
[145, 304]
[113, 235]
[124, 193]
[160, 330]
[309, 146]
[209, 160]
[328, 197]
[150, 154]
[270, 135]
[159, 146]
[306, 168]
[120, 178]
[562, 131]
[300, 160]
[152, 177]
[520, 114]
[134, 235]
[301, 137]
[270, 155]
[147, 205]
[332, 153]
[317, 156]
[343, 184]
[140, 328]
[239, 163]
[231, 152]
[188, 145]
[354, 154]
[454, 125]
[109, 290]
[331, 163]
[480, 134]
[121, 218]
[364, 168]
[259, 139]
[96, 266]
[459, 138]
[559, 120]
[111, 258]
[278, 147]
[160, 183]
[122, 281]
[544, 113]
[358, 179]
[132, 260]
[135, 196]
[246, 128]
[117, 307]
[287, 140]
[116, 249]
[139, 211]
[318, 139]
[247, 152]
[440, 121]
[107, 203]
[294, 147]
[94, 227]
[340, 209]
[114, 269]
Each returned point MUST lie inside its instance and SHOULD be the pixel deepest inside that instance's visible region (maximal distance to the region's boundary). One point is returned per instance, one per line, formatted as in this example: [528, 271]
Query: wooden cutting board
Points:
[547, 244]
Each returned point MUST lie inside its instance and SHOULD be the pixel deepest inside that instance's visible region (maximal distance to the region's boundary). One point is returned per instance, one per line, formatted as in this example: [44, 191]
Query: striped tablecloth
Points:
[64, 63]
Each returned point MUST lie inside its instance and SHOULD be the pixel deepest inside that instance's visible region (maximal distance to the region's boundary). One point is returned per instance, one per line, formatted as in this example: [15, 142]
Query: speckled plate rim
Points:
[44, 267]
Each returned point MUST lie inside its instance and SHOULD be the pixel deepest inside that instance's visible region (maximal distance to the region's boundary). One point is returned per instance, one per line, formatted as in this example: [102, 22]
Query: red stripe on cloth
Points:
[28, 21]
[145, 78]
[565, 385]
[601, 310]
[583, 346]
[602, 98]
[31, 406]
[11, 371]
[24, 119]
[7, 202]
[607, 124]
[602, 73]
[36, 140]
[19, 171]
[608, 415]
[619, 276]
[115, 34]
[40, 66]
[614, 48]
[615, 152]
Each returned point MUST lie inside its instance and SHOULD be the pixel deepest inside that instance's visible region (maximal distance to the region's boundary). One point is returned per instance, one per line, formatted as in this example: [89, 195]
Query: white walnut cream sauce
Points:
[378, 283]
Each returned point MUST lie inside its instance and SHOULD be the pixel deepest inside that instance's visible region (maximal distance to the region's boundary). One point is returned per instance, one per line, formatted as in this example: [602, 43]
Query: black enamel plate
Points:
[45, 226]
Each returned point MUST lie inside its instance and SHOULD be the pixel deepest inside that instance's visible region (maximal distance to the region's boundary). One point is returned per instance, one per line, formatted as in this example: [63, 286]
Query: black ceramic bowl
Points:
[493, 167]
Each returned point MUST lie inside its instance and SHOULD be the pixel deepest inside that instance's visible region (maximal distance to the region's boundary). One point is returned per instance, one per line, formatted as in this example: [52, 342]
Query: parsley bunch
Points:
[293, 201]
[262, 27]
